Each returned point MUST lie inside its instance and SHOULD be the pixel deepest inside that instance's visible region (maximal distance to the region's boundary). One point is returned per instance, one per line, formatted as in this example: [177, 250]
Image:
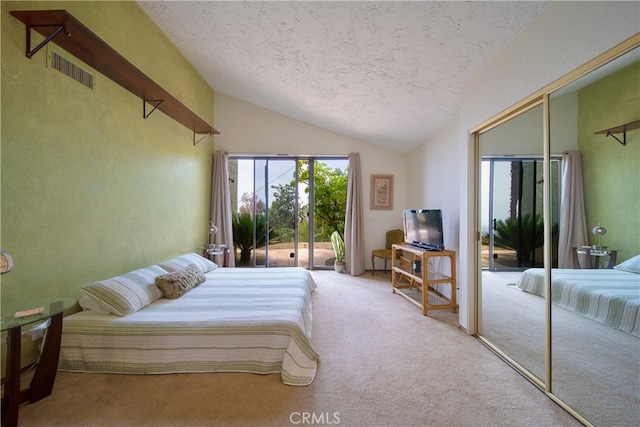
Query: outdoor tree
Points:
[242, 224]
[282, 217]
[248, 202]
[330, 187]
[523, 235]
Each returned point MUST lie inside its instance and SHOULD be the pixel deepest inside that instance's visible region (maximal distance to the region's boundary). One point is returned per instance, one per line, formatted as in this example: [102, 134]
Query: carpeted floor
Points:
[381, 364]
[596, 368]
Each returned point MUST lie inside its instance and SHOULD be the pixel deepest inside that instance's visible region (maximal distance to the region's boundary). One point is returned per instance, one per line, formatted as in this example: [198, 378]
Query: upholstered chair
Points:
[393, 236]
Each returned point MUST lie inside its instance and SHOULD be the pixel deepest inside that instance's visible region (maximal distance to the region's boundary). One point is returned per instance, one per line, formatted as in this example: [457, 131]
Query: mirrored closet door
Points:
[595, 347]
[556, 213]
[511, 206]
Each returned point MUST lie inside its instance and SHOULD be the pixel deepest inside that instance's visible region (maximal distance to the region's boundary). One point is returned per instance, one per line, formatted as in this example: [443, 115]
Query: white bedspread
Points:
[607, 296]
[238, 320]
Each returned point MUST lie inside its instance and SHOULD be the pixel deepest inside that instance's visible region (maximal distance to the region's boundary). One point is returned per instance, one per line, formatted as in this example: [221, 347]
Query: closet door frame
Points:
[540, 97]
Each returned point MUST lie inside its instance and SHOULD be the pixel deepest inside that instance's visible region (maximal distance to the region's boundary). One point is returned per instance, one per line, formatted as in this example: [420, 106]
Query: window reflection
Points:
[594, 346]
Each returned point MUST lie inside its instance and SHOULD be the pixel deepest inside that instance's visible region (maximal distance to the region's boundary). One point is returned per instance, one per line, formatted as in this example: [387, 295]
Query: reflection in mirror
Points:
[593, 183]
[512, 237]
[595, 311]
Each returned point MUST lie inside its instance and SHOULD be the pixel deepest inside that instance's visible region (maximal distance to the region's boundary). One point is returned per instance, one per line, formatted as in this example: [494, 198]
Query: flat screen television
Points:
[423, 228]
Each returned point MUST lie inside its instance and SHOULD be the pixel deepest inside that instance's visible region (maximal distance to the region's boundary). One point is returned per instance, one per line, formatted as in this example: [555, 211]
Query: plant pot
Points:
[339, 266]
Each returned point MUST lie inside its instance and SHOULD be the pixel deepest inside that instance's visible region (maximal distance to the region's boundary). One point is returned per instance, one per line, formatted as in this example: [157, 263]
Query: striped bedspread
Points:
[607, 296]
[238, 320]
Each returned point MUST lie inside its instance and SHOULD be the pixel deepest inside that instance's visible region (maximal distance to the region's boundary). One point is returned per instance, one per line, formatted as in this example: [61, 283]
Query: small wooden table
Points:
[414, 267]
[46, 367]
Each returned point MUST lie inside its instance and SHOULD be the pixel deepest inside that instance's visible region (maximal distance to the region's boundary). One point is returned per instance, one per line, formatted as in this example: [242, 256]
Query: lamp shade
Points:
[599, 230]
[212, 229]
[6, 262]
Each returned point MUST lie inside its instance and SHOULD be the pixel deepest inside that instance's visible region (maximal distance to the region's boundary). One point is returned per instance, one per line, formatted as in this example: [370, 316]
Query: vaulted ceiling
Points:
[389, 73]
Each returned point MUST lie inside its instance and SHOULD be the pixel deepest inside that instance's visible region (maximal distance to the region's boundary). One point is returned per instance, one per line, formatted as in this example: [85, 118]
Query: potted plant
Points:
[338, 250]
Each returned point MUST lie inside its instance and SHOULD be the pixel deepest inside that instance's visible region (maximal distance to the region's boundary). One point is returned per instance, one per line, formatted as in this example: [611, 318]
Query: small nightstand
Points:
[592, 256]
[45, 372]
[211, 252]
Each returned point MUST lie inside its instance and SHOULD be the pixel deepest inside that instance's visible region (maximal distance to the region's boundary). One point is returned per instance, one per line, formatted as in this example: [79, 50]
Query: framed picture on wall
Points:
[381, 192]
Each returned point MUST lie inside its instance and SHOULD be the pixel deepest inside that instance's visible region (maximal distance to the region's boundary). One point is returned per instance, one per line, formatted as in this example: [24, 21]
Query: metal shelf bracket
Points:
[150, 101]
[624, 137]
[58, 29]
[209, 134]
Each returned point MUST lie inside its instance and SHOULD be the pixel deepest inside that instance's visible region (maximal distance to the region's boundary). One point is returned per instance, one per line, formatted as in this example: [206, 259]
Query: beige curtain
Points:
[353, 224]
[573, 223]
[221, 204]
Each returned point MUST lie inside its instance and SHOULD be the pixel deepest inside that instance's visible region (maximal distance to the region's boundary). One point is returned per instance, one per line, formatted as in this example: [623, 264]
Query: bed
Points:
[236, 320]
[609, 296]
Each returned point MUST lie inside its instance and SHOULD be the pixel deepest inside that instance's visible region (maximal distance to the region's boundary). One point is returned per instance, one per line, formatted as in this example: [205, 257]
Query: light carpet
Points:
[596, 368]
[381, 364]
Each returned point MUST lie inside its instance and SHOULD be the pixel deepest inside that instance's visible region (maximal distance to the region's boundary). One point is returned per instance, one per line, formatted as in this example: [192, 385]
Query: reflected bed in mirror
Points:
[609, 296]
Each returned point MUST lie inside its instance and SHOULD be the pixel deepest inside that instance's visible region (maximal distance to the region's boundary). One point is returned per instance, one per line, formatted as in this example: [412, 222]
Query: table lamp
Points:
[6, 262]
[599, 231]
[213, 230]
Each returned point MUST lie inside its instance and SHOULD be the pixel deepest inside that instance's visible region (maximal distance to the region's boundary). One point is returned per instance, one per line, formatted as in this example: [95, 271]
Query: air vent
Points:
[70, 69]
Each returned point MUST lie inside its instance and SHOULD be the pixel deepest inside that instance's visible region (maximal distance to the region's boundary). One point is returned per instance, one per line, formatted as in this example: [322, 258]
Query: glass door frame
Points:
[311, 160]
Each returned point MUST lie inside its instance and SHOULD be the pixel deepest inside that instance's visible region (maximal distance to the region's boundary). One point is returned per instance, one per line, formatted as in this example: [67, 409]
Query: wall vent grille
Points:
[70, 69]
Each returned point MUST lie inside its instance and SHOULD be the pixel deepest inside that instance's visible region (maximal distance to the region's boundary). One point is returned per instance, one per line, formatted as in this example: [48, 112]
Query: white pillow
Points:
[632, 265]
[94, 305]
[181, 262]
[127, 293]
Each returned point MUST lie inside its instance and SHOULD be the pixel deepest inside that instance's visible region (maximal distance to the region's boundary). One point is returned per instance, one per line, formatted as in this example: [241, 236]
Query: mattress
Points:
[238, 320]
[608, 296]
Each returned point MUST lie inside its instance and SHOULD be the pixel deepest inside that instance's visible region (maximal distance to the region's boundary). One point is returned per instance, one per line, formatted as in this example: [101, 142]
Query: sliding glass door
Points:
[513, 230]
[277, 203]
[285, 209]
[327, 185]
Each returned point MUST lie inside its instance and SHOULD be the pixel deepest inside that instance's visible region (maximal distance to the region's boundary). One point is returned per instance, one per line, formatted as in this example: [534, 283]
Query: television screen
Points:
[423, 228]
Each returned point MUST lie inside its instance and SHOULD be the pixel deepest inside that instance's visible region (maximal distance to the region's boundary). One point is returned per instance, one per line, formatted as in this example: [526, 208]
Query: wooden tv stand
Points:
[412, 271]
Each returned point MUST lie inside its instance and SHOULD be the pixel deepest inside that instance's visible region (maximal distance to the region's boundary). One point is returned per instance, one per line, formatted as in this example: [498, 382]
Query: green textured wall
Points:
[90, 189]
[611, 170]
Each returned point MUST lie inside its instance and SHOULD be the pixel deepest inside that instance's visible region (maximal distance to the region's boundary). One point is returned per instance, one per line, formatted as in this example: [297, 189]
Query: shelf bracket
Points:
[624, 137]
[209, 134]
[58, 29]
[144, 106]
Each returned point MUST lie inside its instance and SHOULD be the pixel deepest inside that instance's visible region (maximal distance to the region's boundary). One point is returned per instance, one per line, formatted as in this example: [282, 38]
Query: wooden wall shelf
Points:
[70, 34]
[620, 129]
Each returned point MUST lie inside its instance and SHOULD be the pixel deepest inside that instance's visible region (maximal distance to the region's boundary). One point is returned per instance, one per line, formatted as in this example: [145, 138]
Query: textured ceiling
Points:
[388, 73]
